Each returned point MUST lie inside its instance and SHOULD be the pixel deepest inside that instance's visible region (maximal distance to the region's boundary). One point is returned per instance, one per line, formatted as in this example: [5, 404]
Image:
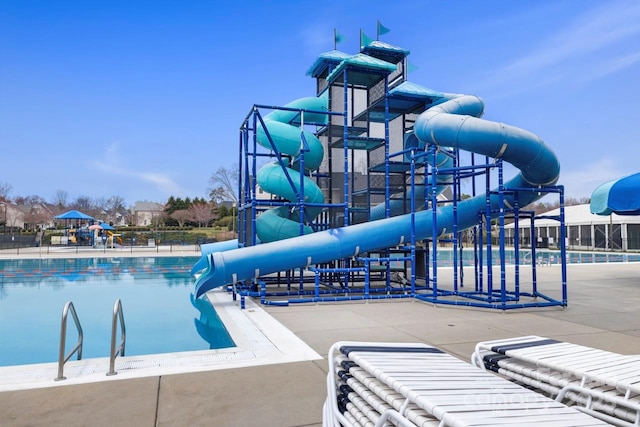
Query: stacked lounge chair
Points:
[603, 384]
[376, 384]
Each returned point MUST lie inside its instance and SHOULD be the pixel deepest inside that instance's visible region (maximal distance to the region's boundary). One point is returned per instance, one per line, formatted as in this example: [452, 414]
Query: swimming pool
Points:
[155, 295]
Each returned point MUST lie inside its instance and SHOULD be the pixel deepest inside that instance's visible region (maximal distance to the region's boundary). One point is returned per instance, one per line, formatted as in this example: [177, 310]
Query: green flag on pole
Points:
[365, 40]
[337, 38]
[381, 30]
[411, 67]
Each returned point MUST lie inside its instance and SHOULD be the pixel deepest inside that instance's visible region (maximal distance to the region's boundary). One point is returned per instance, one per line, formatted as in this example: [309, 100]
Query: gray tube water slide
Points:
[453, 123]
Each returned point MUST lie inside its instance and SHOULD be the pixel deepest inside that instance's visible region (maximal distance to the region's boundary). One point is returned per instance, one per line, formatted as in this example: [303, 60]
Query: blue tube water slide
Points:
[284, 137]
[284, 178]
[454, 123]
[209, 248]
[398, 203]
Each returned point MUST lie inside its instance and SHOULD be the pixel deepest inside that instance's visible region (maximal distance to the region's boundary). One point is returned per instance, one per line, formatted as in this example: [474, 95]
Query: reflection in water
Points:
[209, 326]
[155, 293]
[40, 271]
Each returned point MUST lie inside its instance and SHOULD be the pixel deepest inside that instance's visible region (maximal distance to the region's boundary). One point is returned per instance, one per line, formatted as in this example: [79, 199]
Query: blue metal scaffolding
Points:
[369, 171]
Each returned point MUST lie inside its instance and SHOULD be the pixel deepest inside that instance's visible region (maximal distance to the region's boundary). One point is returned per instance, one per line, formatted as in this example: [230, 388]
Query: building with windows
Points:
[584, 230]
[147, 213]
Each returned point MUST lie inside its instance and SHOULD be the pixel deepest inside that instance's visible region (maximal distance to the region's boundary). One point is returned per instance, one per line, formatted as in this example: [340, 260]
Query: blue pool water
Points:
[155, 296]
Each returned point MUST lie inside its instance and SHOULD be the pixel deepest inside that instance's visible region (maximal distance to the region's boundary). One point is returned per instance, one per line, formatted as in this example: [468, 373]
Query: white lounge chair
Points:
[370, 384]
[602, 383]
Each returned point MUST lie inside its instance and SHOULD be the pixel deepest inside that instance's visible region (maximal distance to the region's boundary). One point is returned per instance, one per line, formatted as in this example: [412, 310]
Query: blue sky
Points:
[144, 99]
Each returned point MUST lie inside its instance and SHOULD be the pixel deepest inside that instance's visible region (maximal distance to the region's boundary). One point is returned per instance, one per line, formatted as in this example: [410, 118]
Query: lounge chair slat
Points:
[422, 383]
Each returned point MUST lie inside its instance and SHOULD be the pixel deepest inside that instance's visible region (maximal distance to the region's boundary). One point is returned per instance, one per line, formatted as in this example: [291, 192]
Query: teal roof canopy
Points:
[363, 64]
[408, 89]
[385, 51]
[324, 60]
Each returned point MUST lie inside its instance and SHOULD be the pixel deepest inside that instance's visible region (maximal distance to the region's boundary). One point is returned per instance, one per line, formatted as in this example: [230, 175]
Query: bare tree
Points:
[114, 207]
[5, 190]
[83, 203]
[29, 200]
[60, 199]
[182, 216]
[100, 204]
[223, 184]
[217, 195]
[202, 213]
[38, 216]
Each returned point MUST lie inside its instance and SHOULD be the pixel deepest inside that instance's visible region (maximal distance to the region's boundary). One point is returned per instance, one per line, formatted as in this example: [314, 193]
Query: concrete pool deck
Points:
[603, 312]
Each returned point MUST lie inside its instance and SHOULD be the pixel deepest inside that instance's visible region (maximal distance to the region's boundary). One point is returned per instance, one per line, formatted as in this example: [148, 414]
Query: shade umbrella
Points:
[101, 226]
[620, 196]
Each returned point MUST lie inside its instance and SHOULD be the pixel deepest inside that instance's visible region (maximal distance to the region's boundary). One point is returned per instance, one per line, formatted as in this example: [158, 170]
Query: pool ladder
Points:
[117, 318]
[62, 359]
[114, 352]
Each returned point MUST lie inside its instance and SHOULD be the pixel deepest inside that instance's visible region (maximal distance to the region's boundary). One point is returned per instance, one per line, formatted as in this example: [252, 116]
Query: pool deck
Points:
[603, 312]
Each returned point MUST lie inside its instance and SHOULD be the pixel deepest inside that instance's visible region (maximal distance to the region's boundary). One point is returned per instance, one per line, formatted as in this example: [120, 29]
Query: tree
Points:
[223, 211]
[60, 199]
[217, 195]
[83, 203]
[100, 205]
[223, 184]
[175, 204]
[5, 190]
[114, 207]
[38, 216]
[181, 216]
[29, 200]
[202, 213]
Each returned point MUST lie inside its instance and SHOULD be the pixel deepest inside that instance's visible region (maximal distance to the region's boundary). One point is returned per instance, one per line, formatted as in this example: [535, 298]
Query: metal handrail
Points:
[117, 315]
[62, 359]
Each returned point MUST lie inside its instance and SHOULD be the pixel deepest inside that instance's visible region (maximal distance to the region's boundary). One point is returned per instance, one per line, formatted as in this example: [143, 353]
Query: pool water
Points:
[154, 292]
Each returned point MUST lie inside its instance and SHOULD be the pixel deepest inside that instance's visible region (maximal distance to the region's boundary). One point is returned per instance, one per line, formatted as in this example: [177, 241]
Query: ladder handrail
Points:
[117, 315]
[62, 359]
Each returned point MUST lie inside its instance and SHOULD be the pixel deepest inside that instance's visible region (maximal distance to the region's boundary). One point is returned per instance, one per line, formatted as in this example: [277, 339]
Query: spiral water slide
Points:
[283, 176]
[454, 123]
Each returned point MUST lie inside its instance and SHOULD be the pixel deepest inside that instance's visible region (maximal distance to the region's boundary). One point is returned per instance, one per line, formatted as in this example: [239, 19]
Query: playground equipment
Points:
[363, 186]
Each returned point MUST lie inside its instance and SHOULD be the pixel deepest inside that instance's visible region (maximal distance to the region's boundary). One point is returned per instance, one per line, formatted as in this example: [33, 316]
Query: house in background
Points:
[147, 213]
[11, 217]
[37, 216]
[19, 216]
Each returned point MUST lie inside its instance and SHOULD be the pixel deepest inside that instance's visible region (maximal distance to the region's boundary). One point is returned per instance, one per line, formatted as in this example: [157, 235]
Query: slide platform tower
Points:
[358, 152]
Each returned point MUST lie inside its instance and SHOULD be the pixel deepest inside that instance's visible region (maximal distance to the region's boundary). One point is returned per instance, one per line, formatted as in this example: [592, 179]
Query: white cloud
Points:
[110, 164]
[569, 53]
[581, 182]
[612, 66]
[592, 31]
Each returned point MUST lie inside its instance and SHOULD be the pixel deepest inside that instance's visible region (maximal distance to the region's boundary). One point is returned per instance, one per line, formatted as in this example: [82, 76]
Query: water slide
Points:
[399, 202]
[453, 123]
[284, 137]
